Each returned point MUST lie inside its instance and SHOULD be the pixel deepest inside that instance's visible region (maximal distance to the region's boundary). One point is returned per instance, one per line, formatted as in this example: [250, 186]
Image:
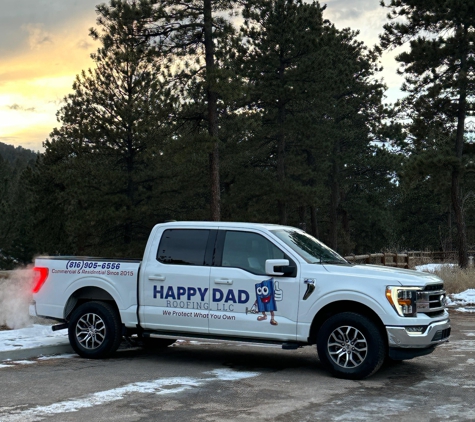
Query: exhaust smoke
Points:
[15, 296]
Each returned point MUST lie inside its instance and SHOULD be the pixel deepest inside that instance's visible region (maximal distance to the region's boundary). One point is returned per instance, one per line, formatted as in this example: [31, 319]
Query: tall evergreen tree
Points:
[282, 58]
[16, 240]
[439, 78]
[189, 32]
[352, 118]
[316, 91]
[104, 158]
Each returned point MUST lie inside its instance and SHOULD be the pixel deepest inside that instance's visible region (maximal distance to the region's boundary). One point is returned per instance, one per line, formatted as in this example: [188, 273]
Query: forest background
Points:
[186, 116]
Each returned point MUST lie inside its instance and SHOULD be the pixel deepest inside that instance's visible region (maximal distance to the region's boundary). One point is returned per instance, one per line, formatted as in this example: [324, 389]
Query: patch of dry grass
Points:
[456, 280]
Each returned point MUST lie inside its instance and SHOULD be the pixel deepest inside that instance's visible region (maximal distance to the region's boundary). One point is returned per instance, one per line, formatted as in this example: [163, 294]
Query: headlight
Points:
[403, 300]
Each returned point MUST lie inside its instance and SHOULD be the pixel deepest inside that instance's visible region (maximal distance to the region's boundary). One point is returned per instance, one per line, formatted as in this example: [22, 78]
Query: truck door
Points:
[175, 281]
[244, 301]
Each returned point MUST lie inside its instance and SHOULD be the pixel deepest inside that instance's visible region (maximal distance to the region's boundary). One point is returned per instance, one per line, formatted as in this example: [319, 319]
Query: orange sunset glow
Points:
[45, 45]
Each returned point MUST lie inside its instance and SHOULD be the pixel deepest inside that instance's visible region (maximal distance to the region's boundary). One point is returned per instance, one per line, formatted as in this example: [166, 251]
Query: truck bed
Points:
[70, 279]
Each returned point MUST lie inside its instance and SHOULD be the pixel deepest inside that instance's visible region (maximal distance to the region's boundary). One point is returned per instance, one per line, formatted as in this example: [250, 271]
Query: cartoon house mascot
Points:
[267, 294]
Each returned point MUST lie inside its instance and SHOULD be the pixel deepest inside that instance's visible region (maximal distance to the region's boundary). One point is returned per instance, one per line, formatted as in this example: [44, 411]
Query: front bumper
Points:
[432, 335]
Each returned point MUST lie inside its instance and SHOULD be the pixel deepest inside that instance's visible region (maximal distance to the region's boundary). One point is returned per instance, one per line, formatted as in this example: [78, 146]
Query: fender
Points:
[347, 295]
[100, 283]
[305, 320]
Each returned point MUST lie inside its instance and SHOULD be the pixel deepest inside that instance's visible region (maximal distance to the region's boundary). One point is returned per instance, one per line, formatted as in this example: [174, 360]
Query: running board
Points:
[219, 339]
[290, 346]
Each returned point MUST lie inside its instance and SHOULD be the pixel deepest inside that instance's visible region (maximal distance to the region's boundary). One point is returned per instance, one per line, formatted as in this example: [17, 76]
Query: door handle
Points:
[157, 277]
[223, 281]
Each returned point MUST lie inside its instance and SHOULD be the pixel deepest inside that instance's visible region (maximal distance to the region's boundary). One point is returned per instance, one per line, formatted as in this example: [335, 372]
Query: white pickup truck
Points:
[245, 282]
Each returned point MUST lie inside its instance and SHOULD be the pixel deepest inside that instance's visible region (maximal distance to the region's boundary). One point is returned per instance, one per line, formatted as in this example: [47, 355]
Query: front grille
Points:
[431, 301]
[441, 335]
[432, 287]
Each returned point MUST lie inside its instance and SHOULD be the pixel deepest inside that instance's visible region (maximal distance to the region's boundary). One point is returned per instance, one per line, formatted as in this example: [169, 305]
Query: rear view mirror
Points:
[271, 265]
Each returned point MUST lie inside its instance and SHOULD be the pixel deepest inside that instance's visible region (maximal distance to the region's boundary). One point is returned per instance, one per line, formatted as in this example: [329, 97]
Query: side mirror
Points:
[272, 263]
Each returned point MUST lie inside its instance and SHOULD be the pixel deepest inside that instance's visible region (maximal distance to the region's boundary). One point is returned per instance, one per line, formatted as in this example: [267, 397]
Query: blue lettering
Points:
[217, 295]
[230, 296]
[181, 291]
[170, 293]
[243, 296]
[202, 293]
[157, 291]
[191, 292]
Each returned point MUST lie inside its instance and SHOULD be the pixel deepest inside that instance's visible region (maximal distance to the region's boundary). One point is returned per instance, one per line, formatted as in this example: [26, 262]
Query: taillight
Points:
[40, 276]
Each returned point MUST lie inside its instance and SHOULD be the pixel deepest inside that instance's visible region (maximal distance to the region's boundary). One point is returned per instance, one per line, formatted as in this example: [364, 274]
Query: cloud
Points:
[31, 23]
[7, 139]
[37, 36]
[17, 107]
[43, 48]
[30, 137]
[57, 102]
[343, 10]
[84, 45]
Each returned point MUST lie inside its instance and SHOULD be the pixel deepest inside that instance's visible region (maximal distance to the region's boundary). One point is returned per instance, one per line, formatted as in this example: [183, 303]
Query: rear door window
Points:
[183, 247]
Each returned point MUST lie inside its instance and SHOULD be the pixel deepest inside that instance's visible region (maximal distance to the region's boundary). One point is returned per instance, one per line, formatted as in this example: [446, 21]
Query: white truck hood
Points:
[388, 275]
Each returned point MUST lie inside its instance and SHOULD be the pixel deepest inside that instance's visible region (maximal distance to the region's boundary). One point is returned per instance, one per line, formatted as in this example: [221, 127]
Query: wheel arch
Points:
[343, 306]
[88, 294]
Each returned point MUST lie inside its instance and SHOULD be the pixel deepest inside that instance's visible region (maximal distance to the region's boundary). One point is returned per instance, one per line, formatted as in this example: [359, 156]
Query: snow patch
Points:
[64, 356]
[228, 375]
[433, 267]
[463, 302]
[31, 337]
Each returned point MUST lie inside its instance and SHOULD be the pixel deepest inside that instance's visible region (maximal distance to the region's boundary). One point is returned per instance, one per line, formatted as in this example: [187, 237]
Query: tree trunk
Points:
[314, 221]
[459, 220]
[212, 96]
[335, 197]
[303, 217]
[281, 203]
[456, 194]
[130, 188]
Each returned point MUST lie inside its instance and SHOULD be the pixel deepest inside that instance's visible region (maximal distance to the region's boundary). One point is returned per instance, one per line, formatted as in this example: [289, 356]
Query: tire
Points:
[350, 346]
[156, 343]
[95, 330]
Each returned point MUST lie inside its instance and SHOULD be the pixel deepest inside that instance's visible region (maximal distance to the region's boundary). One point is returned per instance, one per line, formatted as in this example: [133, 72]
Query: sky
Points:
[44, 44]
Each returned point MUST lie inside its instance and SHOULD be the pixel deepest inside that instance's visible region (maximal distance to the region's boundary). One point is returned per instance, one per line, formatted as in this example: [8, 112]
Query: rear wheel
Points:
[95, 330]
[350, 346]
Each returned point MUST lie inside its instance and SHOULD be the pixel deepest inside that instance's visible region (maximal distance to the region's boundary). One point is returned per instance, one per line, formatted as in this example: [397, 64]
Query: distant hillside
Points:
[11, 154]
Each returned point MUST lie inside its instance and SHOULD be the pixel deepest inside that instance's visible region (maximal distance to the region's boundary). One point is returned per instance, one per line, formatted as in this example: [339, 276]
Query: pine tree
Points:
[105, 157]
[190, 33]
[438, 69]
[315, 90]
[16, 239]
[282, 58]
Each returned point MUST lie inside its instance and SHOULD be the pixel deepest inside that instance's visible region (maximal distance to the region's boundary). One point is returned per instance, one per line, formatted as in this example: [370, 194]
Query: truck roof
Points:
[225, 224]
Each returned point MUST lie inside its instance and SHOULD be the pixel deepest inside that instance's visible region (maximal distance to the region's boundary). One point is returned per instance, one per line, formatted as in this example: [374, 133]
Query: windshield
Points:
[309, 248]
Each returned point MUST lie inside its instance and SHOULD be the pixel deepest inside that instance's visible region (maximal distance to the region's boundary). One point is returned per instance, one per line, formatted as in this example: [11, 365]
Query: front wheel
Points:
[95, 330]
[350, 346]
